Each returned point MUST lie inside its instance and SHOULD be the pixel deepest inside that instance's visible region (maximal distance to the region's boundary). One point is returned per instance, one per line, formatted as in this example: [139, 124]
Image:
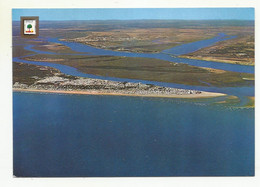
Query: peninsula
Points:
[51, 80]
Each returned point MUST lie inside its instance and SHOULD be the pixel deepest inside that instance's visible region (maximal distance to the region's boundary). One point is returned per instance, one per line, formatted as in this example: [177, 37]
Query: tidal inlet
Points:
[133, 92]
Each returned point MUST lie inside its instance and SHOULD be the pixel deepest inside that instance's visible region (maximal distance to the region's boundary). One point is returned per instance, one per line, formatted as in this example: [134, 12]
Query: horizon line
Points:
[148, 19]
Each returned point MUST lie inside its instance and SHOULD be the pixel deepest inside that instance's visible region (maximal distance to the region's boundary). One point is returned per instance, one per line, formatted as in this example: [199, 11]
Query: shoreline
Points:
[78, 92]
[217, 60]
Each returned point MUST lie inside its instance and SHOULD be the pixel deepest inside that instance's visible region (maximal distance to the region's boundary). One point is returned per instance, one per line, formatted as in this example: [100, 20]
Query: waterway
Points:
[241, 92]
[87, 135]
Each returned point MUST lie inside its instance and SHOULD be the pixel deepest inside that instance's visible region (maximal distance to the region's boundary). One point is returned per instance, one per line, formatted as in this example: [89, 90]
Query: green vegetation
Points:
[28, 73]
[29, 26]
[236, 51]
[148, 69]
[151, 40]
[152, 36]
[24, 72]
[146, 36]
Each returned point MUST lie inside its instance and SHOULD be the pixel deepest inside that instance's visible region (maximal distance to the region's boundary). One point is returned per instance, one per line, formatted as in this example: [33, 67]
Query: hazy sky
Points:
[138, 13]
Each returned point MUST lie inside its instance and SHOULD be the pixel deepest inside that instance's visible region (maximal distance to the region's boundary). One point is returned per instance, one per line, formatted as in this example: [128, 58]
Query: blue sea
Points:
[58, 135]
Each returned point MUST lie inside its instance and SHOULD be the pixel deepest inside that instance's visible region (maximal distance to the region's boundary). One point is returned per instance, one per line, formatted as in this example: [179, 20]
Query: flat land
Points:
[19, 51]
[152, 40]
[235, 51]
[149, 36]
[49, 80]
[27, 74]
[186, 96]
[148, 69]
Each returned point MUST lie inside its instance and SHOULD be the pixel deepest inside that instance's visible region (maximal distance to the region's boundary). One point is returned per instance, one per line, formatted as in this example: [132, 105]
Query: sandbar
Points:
[80, 92]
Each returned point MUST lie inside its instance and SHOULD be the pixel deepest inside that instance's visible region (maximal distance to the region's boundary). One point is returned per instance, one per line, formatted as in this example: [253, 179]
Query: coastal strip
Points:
[78, 92]
[52, 81]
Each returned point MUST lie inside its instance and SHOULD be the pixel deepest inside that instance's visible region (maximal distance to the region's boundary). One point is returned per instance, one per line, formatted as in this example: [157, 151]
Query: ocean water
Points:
[87, 135]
